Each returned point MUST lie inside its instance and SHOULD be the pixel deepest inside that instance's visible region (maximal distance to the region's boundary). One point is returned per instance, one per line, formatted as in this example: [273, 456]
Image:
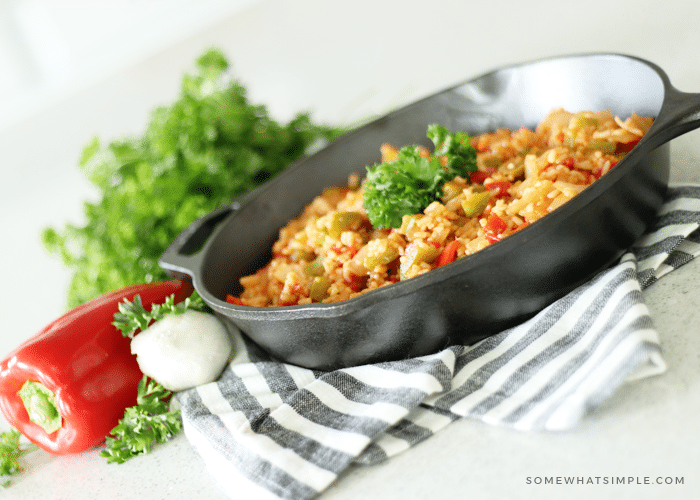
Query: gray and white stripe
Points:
[280, 431]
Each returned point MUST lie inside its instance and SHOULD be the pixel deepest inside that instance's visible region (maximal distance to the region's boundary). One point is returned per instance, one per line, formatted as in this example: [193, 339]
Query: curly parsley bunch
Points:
[205, 149]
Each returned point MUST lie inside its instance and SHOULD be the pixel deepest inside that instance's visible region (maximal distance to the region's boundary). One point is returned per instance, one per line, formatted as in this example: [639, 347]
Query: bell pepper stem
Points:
[40, 404]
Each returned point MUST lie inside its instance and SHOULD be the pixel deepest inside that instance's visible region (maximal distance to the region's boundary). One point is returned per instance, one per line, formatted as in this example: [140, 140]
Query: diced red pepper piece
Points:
[625, 147]
[231, 299]
[499, 189]
[494, 227]
[480, 176]
[356, 283]
[449, 254]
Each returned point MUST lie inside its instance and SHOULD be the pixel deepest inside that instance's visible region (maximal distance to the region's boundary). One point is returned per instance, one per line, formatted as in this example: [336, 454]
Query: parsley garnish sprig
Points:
[132, 316]
[11, 450]
[150, 421]
[411, 182]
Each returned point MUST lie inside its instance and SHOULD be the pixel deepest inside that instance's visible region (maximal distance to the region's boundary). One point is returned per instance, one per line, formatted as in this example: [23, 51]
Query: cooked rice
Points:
[332, 253]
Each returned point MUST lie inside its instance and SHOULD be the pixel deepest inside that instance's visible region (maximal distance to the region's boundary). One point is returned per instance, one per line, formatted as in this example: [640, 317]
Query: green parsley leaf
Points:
[207, 148]
[410, 183]
[461, 156]
[132, 316]
[150, 421]
[11, 450]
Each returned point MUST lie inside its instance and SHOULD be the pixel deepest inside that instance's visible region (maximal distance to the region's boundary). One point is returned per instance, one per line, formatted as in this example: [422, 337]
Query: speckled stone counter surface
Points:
[345, 62]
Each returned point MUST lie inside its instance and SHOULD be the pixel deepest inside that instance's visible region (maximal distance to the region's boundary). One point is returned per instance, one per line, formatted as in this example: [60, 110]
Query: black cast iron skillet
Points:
[475, 296]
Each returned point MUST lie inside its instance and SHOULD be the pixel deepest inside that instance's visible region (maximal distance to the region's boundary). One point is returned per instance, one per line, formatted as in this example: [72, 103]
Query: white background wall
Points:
[49, 49]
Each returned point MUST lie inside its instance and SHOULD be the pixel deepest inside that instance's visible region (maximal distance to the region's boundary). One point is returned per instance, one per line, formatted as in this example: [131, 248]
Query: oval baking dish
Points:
[475, 296]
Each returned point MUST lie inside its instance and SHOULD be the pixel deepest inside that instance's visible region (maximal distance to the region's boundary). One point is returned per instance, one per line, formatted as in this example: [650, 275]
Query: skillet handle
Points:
[183, 258]
[681, 114]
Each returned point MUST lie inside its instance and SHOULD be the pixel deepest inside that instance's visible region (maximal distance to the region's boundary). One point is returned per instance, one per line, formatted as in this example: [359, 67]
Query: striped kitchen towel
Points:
[287, 432]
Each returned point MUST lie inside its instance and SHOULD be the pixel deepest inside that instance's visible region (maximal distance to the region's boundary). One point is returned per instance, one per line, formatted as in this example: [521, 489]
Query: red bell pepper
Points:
[67, 387]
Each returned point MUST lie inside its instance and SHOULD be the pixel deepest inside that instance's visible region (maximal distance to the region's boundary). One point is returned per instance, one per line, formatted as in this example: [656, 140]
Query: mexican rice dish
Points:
[332, 252]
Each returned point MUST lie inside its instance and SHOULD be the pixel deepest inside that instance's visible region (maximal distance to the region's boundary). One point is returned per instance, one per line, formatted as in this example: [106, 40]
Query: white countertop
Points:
[344, 62]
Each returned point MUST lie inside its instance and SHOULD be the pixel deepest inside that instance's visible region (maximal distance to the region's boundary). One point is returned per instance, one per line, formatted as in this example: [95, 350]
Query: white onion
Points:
[182, 351]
